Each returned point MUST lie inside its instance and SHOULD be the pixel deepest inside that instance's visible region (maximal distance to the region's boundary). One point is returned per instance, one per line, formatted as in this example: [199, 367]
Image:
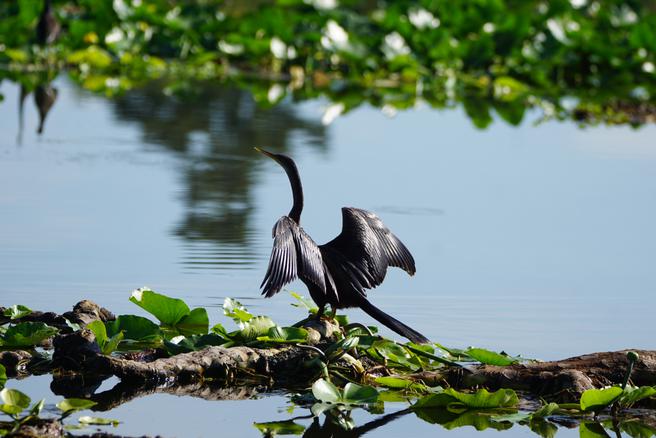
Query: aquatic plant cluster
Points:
[587, 60]
[344, 377]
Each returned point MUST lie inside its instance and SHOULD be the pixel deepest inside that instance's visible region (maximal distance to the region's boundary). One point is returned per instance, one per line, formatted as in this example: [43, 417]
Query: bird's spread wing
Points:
[364, 250]
[294, 254]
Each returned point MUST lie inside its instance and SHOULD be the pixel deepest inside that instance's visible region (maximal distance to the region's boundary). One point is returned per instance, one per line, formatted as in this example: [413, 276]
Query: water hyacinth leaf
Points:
[394, 382]
[220, 330]
[27, 334]
[633, 394]
[71, 405]
[597, 399]
[182, 344]
[107, 345]
[305, 303]
[37, 407]
[196, 323]
[167, 310]
[273, 428]
[489, 357]
[235, 310]
[134, 327]
[482, 399]
[394, 353]
[256, 326]
[98, 421]
[326, 392]
[545, 410]
[17, 311]
[359, 394]
[13, 401]
[285, 335]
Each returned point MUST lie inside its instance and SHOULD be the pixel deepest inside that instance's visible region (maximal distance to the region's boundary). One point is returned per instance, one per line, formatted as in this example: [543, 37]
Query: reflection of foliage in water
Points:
[488, 54]
[214, 130]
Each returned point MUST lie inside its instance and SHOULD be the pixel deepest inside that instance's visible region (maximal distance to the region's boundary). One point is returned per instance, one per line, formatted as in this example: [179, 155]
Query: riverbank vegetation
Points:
[589, 61]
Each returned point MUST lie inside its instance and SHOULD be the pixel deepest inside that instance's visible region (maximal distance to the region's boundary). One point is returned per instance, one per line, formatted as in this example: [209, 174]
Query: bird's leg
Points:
[322, 308]
[333, 312]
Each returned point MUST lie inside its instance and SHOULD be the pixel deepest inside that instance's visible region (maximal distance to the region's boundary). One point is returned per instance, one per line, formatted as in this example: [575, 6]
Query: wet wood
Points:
[562, 380]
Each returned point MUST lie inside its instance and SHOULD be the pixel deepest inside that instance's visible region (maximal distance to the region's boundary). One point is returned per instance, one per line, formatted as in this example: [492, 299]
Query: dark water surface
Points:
[536, 240]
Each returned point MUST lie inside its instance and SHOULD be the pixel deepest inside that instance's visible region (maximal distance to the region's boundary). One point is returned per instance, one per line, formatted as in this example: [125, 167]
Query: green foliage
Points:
[481, 399]
[273, 428]
[107, 345]
[26, 334]
[98, 421]
[490, 357]
[182, 344]
[235, 310]
[173, 313]
[3, 376]
[598, 399]
[352, 394]
[135, 328]
[17, 311]
[13, 401]
[497, 58]
[71, 405]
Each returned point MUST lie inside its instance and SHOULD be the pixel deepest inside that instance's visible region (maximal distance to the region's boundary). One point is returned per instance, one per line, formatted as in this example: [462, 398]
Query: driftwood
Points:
[562, 380]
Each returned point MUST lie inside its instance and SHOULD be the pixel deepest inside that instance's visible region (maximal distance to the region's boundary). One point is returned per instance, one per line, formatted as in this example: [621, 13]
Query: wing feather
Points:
[364, 250]
[294, 255]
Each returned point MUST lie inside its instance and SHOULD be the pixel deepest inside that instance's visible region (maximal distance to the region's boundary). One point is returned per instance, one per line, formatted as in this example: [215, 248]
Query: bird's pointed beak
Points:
[267, 153]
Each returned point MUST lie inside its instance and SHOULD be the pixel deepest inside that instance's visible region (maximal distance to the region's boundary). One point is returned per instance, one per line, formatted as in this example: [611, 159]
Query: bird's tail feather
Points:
[392, 323]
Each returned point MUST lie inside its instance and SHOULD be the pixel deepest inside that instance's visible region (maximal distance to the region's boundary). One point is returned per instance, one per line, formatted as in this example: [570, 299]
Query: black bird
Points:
[338, 272]
[48, 28]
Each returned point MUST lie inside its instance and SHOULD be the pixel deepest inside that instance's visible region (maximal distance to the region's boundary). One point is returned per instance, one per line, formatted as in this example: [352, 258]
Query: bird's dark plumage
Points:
[48, 28]
[339, 272]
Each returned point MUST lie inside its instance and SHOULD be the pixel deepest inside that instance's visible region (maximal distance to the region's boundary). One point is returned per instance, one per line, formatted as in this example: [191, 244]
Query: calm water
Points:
[537, 240]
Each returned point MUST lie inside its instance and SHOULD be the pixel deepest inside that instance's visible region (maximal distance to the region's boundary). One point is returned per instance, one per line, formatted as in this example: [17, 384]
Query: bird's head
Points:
[285, 161]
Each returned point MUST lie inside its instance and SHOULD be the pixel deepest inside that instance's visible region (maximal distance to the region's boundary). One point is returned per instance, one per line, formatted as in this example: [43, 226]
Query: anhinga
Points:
[48, 28]
[338, 272]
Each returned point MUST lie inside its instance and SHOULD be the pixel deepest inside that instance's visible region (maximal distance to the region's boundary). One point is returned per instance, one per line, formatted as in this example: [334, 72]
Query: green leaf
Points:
[394, 382]
[305, 303]
[196, 323]
[37, 407]
[134, 327]
[254, 327]
[99, 331]
[71, 405]
[285, 335]
[592, 430]
[167, 310]
[182, 344]
[359, 394]
[235, 310]
[273, 428]
[489, 357]
[396, 354]
[633, 394]
[98, 421]
[597, 399]
[13, 401]
[17, 311]
[481, 399]
[3, 376]
[27, 334]
[326, 392]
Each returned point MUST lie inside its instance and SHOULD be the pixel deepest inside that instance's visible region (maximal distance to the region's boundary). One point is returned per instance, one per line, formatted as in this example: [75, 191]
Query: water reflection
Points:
[213, 132]
[45, 96]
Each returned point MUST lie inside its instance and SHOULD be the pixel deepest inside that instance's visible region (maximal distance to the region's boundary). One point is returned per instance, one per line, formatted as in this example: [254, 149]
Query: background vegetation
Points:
[588, 60]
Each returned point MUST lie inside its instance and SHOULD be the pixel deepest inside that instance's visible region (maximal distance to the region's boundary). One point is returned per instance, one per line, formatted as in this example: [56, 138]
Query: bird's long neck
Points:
[297, 192]
[47, 6]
